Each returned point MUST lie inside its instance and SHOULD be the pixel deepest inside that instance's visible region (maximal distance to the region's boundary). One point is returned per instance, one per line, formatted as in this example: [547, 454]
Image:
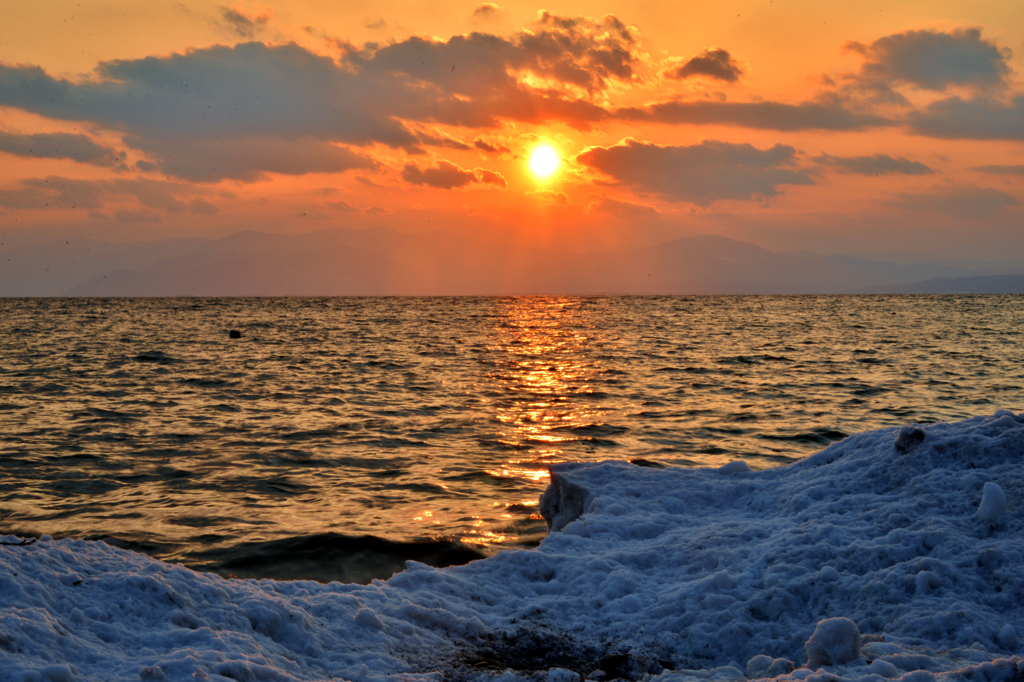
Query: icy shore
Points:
[907, 543]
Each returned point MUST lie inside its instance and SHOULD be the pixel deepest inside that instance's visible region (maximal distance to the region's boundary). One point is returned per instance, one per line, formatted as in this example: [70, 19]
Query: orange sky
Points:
[888, 129]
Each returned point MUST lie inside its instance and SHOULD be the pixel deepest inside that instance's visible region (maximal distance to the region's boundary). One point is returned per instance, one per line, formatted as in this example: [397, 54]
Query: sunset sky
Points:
[887, 129]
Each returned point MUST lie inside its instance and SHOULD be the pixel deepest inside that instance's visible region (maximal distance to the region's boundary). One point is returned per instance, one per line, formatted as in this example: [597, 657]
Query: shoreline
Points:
[703, 573]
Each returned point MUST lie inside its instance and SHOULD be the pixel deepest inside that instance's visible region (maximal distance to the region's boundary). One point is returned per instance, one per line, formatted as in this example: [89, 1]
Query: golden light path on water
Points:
[546, 371]
[539, 365]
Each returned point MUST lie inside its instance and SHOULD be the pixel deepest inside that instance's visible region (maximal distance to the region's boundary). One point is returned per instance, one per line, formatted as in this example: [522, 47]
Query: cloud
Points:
[969, 201]
[240, 112]
[475, 80]
[713, 63]
[203, 207]
[621, 209]
[934, 60]
[52, 192]
[758, 115]
[126, 216]
[1001, 170]
[221, 95]
[246, 159]
[76, 147]
[979, 118]
[376, 25]
[243, 24]
[879, 164]
[446, 175]
[173, 197]
[352, 208]
[250, 89]
[548, 196]
[485, 11]
[491, 178]
[490, 148]
[442, 140]
[701, 174]
[59, 192]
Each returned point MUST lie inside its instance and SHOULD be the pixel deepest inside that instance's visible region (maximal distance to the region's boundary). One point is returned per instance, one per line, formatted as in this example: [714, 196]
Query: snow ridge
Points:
[902, 547]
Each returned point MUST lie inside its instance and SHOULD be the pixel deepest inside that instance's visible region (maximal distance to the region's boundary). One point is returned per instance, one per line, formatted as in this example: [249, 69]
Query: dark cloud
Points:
[487, 10]
[622, 209]
[239, 112]
[440, 140]
[371, 94]
[978, 118]
[76, 147]
[250, 89]
[1001, 170]
[446, 175]
[126, 216]
[758, 115]
[376, 25]
[935, 60]
[244, 25]
[352, 208]
[52, 192]
[491, 178]
[879, 164]
[548, 196]
[203, 207]
[968, 201]
[473, 80]
[59, 192]
[579, 50]
[489, 147]
[246, 159]
[173, 197]
[713, 63]
[864, 94]
[702, 173]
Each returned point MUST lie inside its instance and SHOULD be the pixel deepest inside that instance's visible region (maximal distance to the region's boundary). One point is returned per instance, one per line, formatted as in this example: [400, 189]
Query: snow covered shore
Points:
[907, 543]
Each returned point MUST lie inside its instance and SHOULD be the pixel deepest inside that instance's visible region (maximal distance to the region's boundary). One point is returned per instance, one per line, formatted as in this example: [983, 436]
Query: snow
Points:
[835, 641]
[993, 503]
[907, 541]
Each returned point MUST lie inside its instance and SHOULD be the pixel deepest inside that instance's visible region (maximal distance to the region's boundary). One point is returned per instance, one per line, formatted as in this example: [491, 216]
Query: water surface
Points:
[409, 419]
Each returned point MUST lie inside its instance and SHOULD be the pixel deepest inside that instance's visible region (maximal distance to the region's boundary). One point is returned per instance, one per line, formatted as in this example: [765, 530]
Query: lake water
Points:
[337, 435]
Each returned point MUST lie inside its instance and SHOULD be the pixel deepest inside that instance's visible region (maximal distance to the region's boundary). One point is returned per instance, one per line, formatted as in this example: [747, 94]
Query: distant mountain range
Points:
[340, 262]
[989, 284]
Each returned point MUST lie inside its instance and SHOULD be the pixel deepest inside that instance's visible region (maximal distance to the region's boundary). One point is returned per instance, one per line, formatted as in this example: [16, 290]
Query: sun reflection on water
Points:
[545, 376]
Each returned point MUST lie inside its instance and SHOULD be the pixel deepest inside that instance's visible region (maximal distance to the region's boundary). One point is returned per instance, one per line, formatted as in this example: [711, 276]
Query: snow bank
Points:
[894, 554]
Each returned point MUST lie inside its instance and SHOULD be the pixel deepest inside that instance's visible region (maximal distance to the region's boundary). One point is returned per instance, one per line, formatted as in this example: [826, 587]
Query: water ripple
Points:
[435, 419]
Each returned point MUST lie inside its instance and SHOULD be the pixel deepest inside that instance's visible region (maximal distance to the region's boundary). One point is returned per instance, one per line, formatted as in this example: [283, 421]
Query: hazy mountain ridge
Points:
[985, 284]
[386, 262]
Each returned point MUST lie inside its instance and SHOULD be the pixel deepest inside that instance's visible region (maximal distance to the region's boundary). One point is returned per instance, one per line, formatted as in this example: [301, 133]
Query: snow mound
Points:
[896, 543]
[835, 641]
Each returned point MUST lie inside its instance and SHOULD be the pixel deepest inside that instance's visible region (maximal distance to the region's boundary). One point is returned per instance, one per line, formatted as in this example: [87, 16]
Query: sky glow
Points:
[895, 130]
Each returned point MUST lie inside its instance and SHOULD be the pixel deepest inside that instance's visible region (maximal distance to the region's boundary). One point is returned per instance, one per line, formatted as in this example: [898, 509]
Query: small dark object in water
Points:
[234, 334]
[641, 462]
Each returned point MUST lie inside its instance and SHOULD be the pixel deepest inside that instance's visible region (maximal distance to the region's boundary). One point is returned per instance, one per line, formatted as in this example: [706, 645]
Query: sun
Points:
[543, 161]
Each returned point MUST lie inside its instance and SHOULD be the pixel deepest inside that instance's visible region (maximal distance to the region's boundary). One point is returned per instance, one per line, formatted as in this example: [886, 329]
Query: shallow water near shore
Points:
[365, 424]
